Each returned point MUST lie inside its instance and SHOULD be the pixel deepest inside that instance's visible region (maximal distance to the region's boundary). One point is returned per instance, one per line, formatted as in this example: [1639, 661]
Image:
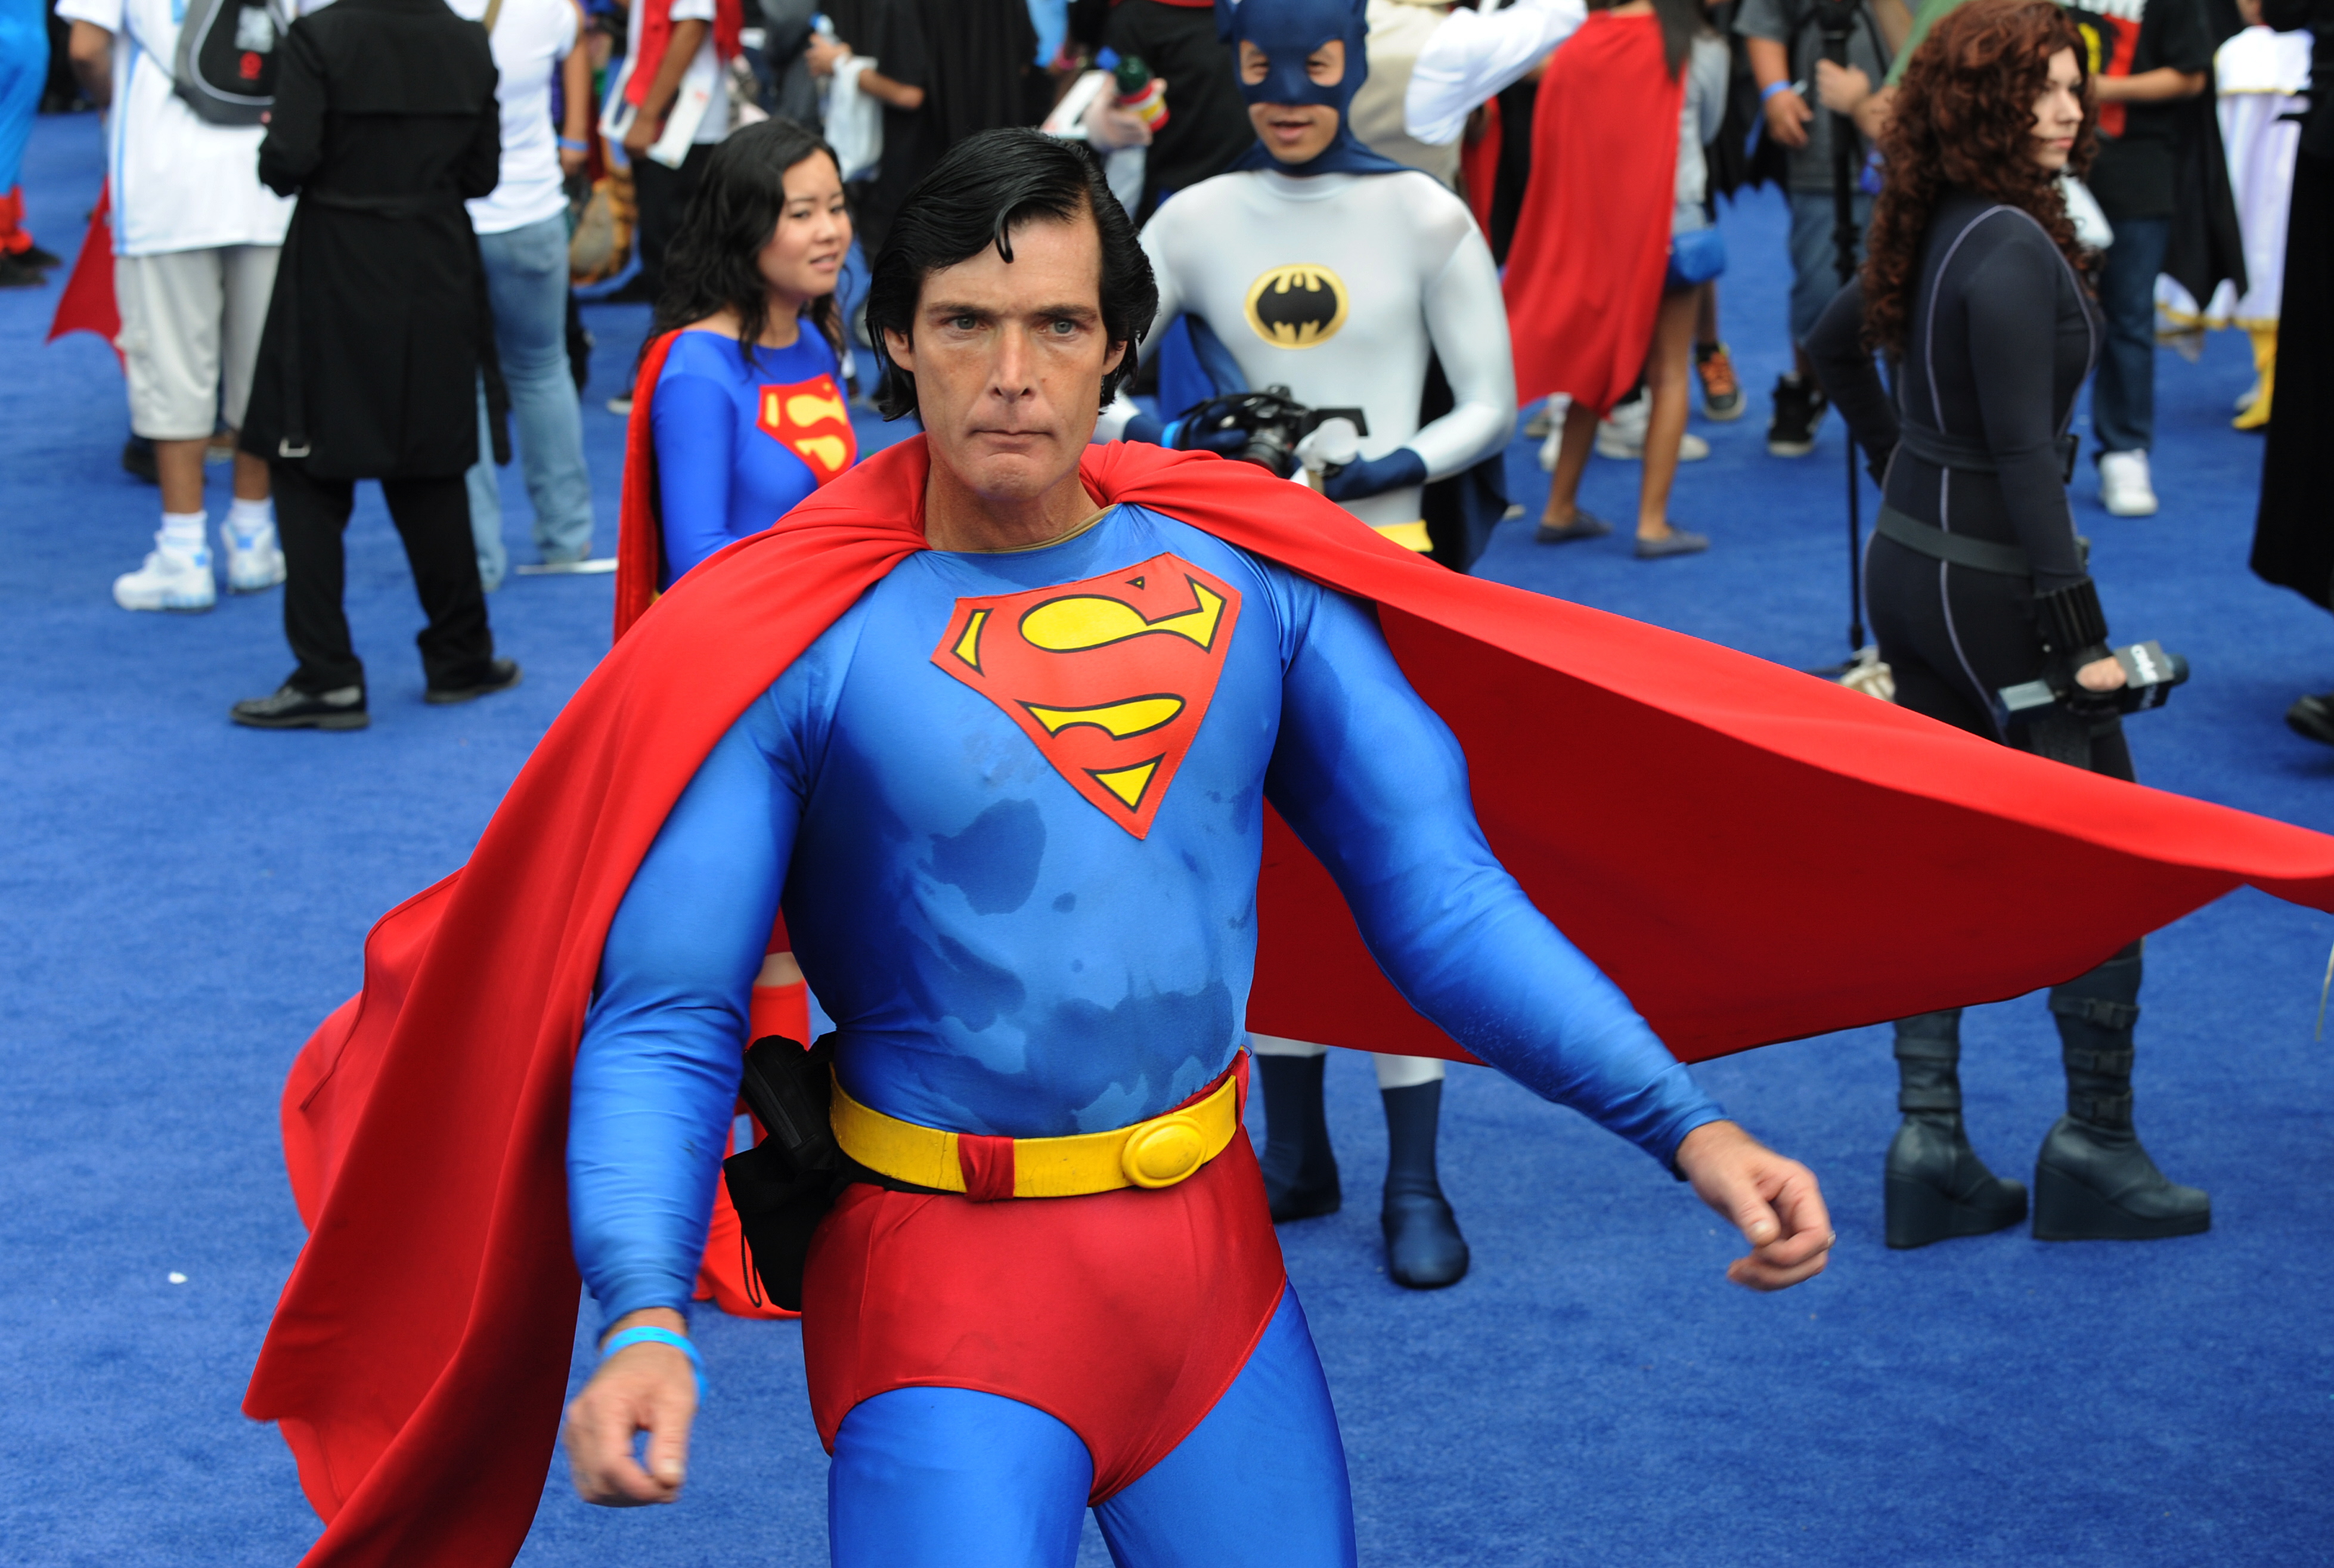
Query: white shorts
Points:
[180, 310]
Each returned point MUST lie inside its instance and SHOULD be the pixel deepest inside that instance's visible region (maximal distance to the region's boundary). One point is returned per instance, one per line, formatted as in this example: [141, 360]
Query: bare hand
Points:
[645, 1387]
[2100, 675]
[1774, 1202]
[638, 137]
[1787, 118]
[573, 160]
[1841, 88]
[822, 53]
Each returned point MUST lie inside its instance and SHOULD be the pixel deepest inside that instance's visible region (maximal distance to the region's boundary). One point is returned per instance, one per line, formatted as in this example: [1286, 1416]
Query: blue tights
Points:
[970, 1480]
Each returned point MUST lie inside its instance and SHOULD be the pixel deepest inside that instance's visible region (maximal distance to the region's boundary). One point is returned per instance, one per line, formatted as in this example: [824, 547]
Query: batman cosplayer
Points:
[1320, 265]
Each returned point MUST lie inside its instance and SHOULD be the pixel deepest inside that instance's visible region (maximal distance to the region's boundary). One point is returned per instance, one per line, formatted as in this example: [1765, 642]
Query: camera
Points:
[2149, 674]
[1261, 428]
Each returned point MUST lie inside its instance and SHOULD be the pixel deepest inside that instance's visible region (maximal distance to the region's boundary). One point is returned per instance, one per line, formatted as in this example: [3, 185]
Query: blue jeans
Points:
[526, 282]
[2123, 394]
[1815, 269]
[952, 1478]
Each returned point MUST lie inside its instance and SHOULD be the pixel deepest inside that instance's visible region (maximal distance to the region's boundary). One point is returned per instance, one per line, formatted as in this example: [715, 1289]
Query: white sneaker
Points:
[168, 581]
[2125, 489]
[1621, 434]
[254, 560]
[1622, 437]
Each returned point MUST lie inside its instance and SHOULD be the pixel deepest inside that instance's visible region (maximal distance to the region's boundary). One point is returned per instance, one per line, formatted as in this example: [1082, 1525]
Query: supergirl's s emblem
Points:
[810, 420]
[1299, 306]
[1109, 678]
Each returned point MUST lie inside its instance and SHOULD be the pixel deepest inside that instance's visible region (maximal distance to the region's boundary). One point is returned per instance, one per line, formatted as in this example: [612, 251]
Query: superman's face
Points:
[1008, 360]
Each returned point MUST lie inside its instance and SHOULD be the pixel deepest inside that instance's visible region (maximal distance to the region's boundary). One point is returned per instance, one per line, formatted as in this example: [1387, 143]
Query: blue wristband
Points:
[1770, 91]
[570, 144]
[648, 1335]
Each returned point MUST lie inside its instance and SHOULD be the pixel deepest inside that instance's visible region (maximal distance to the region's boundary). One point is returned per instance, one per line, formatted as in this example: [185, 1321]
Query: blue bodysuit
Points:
[738, 444]
[1033, 940]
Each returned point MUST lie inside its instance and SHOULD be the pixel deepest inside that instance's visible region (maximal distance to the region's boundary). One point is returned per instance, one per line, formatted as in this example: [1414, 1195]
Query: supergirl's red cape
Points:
[1584, 276]
[1714, 830]
[640, 540]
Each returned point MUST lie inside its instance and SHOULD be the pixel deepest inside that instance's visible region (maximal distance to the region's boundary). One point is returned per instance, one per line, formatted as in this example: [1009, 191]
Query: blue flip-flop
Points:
[1676, 542]
[1583, 525]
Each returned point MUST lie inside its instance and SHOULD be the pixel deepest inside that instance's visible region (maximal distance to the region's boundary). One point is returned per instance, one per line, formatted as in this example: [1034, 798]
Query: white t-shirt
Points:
[705, 71]
[531, 37]
[179, 182]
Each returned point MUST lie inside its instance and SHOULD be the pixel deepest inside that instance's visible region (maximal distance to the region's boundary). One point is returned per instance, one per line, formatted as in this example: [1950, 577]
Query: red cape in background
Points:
[640, 540]
[1584, 275]
[1718, 832]
[87, 303]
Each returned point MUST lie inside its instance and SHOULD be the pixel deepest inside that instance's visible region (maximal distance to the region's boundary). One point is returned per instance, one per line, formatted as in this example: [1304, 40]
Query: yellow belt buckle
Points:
[1165, 1150]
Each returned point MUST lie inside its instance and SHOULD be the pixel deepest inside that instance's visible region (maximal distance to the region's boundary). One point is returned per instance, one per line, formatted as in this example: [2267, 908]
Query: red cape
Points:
[1584, 276]
[1710, 828]
[640, 538]
[87, 302]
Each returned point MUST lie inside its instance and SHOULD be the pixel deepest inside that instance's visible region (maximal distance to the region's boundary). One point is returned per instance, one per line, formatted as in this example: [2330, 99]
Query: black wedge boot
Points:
[2093, 1181]
[1937, 1187]
[1300, 1168]
[1425, 1250]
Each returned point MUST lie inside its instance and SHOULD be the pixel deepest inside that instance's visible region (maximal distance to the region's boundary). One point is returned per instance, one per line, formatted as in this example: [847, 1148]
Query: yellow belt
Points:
[1409, 535]
[1157, 1153]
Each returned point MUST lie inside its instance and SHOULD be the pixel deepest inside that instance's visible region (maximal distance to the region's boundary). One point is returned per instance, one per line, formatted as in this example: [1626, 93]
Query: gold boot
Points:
[2256, 414]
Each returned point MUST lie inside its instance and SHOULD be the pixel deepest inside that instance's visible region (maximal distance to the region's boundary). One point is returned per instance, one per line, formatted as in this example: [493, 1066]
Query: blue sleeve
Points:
[656, 1075]
[1374, 783]
[695, 420]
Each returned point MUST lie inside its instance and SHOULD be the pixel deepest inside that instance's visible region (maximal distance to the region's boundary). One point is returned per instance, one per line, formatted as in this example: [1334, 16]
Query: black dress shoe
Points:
[37, 256]
[2313, 719]
[1300, 1168]
[1424, 1251]
[292, 708]
[15, 272]
[500, 676]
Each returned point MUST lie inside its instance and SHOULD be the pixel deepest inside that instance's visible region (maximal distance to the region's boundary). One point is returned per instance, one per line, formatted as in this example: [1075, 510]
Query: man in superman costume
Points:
[1007, 712]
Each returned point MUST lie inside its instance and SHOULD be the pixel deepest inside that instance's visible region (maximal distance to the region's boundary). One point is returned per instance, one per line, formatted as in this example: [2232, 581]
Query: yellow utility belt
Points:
[1157, 1153]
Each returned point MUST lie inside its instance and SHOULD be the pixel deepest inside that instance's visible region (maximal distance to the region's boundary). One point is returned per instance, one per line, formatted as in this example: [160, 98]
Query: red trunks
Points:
[1124, 1315]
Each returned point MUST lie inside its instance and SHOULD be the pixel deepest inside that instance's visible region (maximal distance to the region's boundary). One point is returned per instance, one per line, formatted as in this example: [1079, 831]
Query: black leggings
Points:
[1953, 636]
[433, 518]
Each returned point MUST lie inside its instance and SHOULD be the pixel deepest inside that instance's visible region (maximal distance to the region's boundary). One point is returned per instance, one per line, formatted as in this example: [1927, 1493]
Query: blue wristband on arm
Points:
[646, 1334]
[1770, 91]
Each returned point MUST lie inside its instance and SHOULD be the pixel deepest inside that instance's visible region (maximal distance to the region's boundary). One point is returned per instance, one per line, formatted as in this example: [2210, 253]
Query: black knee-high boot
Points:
[1300, 1168]
[1936, 1185]
[2093, 1181]
[1425, 1250]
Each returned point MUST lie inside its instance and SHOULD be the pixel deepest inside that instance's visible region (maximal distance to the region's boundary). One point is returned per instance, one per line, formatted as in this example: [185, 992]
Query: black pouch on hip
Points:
[784, 1185]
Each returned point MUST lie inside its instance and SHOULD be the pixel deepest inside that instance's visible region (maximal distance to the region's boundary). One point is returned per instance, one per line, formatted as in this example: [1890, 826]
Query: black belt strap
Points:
[1925, 538]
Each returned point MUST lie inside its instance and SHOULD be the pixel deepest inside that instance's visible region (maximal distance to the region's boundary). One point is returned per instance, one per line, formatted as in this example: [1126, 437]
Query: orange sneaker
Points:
[1722, 394]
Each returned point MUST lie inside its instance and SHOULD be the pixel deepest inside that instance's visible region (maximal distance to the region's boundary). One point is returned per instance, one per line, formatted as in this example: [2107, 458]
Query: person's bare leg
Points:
[250, 477]
[1668, 371]
[1571, 462]
[180, 467]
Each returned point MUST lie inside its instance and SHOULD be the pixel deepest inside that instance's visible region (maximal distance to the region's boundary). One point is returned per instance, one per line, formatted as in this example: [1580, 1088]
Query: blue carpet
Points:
[184, 900]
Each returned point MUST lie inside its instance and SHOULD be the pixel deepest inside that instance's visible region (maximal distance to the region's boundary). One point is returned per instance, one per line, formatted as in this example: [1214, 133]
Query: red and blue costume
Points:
[419, 1353]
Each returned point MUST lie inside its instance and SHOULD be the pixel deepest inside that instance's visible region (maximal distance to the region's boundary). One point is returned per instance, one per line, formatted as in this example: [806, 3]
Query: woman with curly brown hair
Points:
[1973, 287]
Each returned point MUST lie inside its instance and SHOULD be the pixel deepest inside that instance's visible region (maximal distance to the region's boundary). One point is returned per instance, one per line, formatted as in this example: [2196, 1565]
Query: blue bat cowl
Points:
[1288, 31]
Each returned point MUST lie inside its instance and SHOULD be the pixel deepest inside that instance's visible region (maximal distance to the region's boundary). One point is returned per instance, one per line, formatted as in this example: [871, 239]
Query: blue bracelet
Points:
[647, 1335]
[570, 144]
[1770, 91]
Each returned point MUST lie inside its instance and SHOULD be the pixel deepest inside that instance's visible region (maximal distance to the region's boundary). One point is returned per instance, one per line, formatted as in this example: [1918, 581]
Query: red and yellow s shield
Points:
[1109, 678]
[810, 420]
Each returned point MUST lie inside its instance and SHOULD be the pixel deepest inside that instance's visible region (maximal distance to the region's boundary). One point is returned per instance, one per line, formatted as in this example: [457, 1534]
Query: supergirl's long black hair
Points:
[711, 265]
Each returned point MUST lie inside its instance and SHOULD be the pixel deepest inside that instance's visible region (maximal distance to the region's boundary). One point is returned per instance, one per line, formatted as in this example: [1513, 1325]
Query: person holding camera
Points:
[1785, 43]
[1335, 276]
[1975, 286]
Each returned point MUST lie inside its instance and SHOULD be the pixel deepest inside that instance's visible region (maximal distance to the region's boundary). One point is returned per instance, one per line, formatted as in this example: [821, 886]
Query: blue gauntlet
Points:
[1376, 475]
